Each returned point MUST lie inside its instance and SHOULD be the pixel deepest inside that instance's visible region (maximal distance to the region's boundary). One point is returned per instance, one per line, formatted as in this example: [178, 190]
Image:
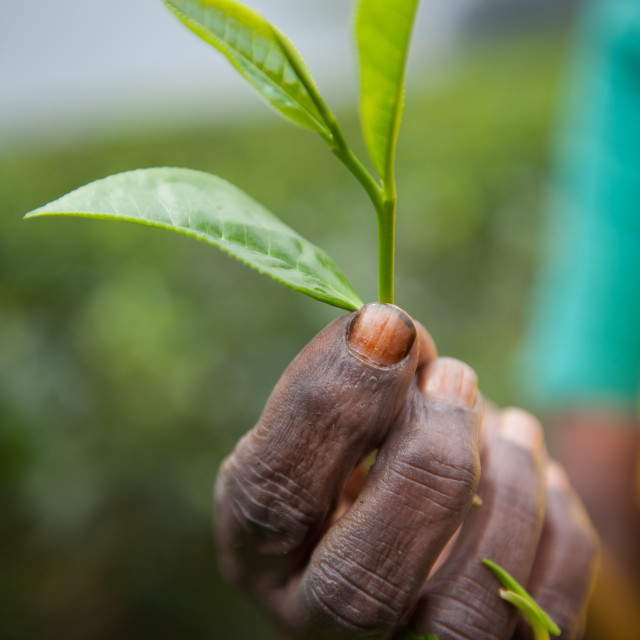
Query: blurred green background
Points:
[131, 359]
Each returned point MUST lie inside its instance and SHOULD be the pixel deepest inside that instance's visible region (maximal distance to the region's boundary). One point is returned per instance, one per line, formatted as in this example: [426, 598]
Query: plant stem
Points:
[384, 202]
[383, 198]
[349, 160]
[386, 249]
[385, 206]
[332, 135]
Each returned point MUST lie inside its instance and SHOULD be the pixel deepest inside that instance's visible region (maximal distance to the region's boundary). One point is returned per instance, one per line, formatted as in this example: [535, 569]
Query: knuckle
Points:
[344, 598]
[262, 509]
[464, 608]
[461, 622]
[432, 475]
[438, 483]
[440, 469]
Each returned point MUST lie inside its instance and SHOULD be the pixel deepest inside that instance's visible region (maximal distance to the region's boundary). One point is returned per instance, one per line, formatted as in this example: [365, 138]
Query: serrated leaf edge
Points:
[233, 55]
[341, 301]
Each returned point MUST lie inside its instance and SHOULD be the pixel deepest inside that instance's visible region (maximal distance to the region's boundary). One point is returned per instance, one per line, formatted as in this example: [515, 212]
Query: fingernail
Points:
[521, 428]
[449, 380]
[381, 334]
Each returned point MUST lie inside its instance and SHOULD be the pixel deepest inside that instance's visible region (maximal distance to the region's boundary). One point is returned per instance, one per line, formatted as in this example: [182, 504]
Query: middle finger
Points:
[461, 599]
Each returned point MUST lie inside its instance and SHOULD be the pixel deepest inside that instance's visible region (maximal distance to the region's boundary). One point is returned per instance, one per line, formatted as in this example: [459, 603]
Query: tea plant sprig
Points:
[207, 208]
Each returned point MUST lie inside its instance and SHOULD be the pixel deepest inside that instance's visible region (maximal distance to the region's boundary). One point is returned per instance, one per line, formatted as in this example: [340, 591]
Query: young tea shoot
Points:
[208, 208]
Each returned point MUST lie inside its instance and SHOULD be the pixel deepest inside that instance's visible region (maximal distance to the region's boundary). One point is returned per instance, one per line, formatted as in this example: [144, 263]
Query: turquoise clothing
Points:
[583, 341]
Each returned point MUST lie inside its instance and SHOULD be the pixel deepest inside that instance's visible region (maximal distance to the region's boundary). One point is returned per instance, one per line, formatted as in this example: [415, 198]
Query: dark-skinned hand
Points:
[329, 551]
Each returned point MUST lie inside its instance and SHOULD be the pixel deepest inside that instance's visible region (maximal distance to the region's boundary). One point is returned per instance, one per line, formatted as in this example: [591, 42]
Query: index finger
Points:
[462, 598]
[332, 406]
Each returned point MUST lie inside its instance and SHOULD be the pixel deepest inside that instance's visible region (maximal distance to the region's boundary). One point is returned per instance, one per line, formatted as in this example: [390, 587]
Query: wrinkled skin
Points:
[329, 551]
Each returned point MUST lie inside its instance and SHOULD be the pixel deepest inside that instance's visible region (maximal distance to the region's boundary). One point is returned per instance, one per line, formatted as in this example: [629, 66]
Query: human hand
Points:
[329, 553]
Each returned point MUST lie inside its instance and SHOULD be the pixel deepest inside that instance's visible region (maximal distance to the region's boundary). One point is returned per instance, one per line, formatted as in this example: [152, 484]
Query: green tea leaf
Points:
[383, 30]
[533, 612]
[261, 53]
[208, 208]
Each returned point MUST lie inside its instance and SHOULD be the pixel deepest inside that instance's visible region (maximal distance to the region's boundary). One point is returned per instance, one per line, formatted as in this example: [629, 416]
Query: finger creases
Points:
[368, 569]
[461, 599]
[332, 406]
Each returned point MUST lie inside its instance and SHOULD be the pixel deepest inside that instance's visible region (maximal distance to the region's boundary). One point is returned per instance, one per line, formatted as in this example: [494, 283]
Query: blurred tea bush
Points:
[131, 359]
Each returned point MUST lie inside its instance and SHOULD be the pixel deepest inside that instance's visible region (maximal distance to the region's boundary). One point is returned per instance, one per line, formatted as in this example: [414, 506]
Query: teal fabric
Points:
[583, 344]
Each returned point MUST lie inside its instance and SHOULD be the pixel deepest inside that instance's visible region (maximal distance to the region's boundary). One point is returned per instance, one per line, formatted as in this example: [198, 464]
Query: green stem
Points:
[349, 160]
[332, 133]
[386, 249]
[387, 235]
[384, 202]
[383, 198]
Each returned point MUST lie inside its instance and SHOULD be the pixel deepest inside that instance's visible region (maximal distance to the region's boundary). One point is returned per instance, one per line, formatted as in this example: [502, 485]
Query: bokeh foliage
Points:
[131, 360]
